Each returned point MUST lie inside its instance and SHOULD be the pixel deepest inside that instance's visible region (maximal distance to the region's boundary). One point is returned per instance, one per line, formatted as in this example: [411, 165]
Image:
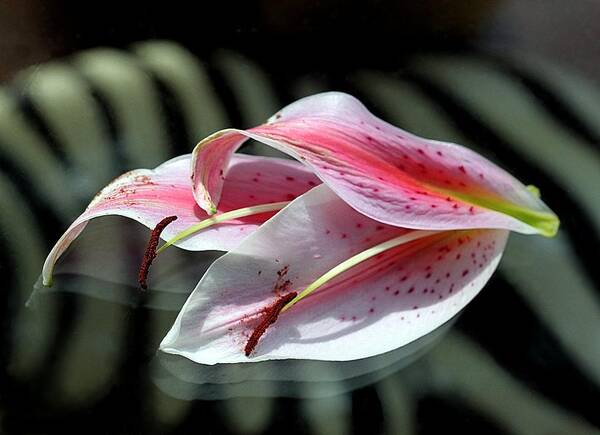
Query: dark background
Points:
[304, 35]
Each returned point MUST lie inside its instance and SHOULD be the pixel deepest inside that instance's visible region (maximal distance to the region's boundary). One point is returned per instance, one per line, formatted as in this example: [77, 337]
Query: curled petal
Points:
[379, 305]
[147, 196]
[382, 171]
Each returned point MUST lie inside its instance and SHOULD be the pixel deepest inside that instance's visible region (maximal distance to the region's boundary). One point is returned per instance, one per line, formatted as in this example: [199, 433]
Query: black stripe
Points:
[286, 411]
[46, 219]
[36, 121]
[107, 118]
[367, 412]
[8, 301]
[500, 320]
[180, 137]
[204, 417]
[280, 81]
[225, 95]
[133, 371]
[451, 415]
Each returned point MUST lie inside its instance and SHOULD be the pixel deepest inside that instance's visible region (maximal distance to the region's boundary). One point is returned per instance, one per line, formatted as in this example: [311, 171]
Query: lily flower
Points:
[383, 172]
[403, 234]
[351, 286]
[255, 188]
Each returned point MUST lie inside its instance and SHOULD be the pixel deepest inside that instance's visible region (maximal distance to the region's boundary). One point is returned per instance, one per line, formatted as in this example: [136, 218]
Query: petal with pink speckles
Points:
[379, 305]
[150, 195]
[382, 171]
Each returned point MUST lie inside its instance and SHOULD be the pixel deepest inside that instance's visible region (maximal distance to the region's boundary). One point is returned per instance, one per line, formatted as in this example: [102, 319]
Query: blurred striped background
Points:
[524, 358]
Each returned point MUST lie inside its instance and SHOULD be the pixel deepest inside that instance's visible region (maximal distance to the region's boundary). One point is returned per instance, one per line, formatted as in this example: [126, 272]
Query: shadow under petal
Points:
[103, 263]
[186, 380]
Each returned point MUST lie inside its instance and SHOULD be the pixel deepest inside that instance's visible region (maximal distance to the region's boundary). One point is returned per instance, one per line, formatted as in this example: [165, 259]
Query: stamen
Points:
[270, 317]
[150, 253]
[230, 215]
[357, 259]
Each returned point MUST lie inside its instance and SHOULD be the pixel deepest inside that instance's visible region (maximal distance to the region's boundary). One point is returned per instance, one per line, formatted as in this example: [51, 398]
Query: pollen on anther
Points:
[270, 317]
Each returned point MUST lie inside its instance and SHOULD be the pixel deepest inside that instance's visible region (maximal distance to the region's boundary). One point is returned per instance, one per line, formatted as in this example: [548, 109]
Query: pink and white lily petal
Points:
[382, 171]
[379, 305]
[148, 196]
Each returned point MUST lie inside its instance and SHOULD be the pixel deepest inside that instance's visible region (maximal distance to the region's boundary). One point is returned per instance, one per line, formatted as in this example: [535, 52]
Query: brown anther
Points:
[270, 316]
[150, 253]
